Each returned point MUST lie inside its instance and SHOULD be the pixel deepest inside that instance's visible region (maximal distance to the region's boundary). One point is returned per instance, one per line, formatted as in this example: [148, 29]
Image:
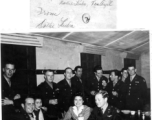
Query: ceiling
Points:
[134, 42]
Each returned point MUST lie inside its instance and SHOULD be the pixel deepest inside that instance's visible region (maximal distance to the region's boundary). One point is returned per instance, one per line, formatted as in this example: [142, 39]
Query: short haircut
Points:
[131, 65]
[27, 98]
[48, 70]
[103, 93]
[8, 62]
[77, 67]
[67, 69]
[123, 69]
[98, 67]
[117, 73]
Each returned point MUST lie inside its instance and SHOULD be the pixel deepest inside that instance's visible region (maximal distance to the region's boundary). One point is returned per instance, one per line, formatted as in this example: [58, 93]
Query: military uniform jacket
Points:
[135, 92]
[79, 85]
[7, 91]
[118, 100]
[111, 113]
[21, 115]
[95, 85]
[65, 95]
[47, 92]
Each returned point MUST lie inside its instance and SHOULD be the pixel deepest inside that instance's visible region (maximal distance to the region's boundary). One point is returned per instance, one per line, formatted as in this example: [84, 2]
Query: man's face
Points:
[9, 70]
[49, 76]
[38, 103]
[132, 71]
[125, 73]
[29, 105]
[113, 76]
[98, 73]
[79, 72]
[68, 74]
[100, 101]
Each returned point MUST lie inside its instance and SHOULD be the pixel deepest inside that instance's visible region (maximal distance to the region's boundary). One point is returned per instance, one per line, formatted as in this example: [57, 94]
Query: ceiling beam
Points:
[67, 35]
[140, 46]
[119, 38]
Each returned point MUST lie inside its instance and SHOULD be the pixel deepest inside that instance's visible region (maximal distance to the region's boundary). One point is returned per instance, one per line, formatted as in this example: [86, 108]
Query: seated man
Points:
[104, 111]
[26, 112]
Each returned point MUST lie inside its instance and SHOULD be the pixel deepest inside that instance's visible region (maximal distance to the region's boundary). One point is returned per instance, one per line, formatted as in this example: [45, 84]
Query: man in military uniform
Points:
[78, 84]
[26, 112]
[124, 74]
[10, 99]
[65, 91]
[98, 82]
[49, 92]
[115, 90]
[104, 111]
[136, 90]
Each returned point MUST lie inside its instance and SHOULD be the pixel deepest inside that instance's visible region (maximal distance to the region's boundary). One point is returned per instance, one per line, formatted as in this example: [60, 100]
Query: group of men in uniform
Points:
[127, 91]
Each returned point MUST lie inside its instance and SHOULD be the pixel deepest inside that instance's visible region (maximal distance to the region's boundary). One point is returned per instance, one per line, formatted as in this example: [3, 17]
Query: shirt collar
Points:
[104, 107]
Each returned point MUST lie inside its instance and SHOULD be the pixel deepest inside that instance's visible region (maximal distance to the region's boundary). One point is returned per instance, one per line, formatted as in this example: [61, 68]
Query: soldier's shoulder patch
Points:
[144, 80]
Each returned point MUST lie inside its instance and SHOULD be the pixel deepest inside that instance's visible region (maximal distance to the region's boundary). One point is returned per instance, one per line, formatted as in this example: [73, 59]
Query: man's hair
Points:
[8, 62]
[131, 65]
[117, 73]
[32, 97]
[77, 67]
[103, 93]
[67, 69]
[98, 67]
[48, 70]
[123, 69]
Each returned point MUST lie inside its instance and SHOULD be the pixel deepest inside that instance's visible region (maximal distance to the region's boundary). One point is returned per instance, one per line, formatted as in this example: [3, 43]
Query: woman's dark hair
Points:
[80, 94]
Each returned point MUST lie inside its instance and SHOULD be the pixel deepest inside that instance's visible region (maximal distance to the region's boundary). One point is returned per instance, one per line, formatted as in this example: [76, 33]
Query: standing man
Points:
[136, 90]
[97, 83]
[10, 99]
[124, 74]
[115, 90]
[104, 111]
[65, 91]
[49, 92]
[78, 83]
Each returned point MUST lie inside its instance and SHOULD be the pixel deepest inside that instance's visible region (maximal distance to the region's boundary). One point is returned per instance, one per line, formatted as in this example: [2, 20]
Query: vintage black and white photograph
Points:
[89, 75]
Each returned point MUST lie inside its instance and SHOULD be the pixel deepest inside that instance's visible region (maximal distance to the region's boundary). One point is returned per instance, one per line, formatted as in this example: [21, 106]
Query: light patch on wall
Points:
[57, 55]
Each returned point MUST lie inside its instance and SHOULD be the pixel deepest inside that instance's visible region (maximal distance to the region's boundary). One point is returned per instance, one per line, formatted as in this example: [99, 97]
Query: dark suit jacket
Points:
[79, 86]
[47, 93]
[65, 95]
[117, 101]
[21, 115]
[111, 113]
[136, 92]
[7, 91]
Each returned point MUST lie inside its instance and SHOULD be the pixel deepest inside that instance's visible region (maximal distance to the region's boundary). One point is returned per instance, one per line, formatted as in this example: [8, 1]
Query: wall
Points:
[145, 67]
[113, 60]
[57, 54]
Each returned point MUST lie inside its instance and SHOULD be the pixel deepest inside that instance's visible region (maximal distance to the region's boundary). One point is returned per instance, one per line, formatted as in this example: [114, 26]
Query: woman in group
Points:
[78, 111]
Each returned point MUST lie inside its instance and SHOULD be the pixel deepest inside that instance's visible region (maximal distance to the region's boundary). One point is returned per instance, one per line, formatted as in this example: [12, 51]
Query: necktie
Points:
[69, 83]
[130, 78]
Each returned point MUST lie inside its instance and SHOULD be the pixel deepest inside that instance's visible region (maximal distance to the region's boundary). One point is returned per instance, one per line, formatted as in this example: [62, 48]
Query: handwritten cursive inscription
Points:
[77, 3]
[103, 3]
[65, 23]
[45, 24]
[47, 13]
